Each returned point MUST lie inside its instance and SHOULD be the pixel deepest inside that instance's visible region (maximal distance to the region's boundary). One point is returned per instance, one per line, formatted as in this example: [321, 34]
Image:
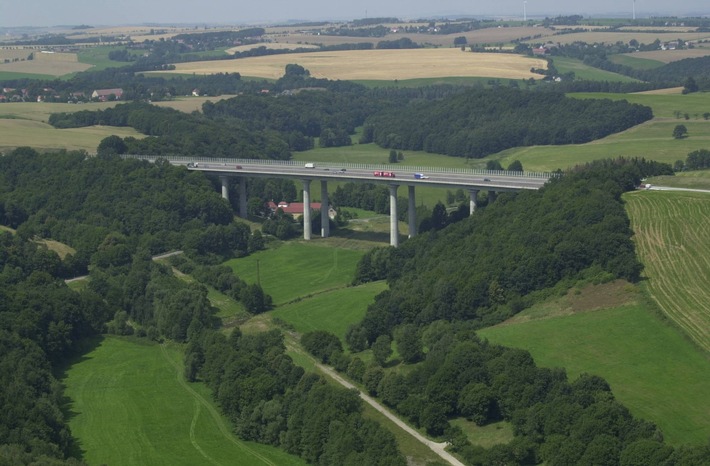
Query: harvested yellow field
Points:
[610, 37]
[668, 56]
[490, 36]
[666, 91]
[54, 64]
[378, 65]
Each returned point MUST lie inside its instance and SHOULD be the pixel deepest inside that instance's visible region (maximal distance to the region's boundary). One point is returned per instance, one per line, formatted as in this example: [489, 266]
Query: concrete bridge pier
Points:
[394, 225]
[324, 208]
[492, 195]
[473, 194]
[306, 209]
[225, 187]
[412, 212]
[243, 198]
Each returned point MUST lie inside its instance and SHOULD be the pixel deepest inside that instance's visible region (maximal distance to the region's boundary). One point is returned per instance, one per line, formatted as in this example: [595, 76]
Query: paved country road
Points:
[437, 448]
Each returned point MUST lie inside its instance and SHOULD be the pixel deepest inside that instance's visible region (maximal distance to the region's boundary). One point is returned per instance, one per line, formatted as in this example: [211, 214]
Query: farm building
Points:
[296, 208]
[105, 94]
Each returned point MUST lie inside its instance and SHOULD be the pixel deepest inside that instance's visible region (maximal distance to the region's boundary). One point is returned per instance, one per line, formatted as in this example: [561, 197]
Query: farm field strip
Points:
[377, 64]
[673, 240]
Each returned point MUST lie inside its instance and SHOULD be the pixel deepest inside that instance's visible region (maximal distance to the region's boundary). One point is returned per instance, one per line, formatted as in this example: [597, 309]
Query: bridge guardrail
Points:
[363, 166]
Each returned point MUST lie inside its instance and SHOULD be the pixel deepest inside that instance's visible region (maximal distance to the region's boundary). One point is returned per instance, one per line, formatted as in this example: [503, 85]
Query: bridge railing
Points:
[362, 166]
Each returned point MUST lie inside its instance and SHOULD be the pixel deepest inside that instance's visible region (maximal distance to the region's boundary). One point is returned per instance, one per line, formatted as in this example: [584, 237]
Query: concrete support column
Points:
[324, 208]
[473, 194]
[492, 197]
[306, 209]
[394, 225]
[225, 186]
[243, 198]
[412, 212]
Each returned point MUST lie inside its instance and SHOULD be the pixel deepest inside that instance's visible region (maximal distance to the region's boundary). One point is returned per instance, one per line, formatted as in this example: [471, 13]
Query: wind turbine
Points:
[525, 10]
[634, 10]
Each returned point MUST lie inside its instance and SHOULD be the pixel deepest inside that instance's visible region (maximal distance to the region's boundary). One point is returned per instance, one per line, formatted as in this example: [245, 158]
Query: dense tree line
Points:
[213, 40]
[485, 268]
[470, 123]
[554, 421]
[271, 400]
[42, 324]
[176, 133]
[107, 208]
[696, 160]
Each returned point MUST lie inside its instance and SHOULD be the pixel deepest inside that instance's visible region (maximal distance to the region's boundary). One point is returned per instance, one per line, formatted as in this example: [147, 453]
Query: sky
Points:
[46, 13]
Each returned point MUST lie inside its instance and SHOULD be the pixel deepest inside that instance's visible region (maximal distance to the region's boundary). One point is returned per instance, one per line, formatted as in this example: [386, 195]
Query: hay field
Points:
[54, 64]
[672, 235]
[377, 65]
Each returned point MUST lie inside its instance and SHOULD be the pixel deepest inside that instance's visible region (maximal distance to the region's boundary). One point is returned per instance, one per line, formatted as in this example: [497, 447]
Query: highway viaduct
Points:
[470, 179]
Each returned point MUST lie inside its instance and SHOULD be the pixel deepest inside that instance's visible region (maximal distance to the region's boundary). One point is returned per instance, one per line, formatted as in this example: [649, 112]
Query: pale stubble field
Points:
[377, 65]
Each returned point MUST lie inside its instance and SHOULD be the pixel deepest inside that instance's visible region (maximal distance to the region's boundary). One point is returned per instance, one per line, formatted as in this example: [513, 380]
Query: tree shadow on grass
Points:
[66, 404]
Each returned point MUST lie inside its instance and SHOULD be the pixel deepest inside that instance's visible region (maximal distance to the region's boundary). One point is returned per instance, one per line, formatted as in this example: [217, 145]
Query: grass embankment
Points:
[131, 405]
[699, 179]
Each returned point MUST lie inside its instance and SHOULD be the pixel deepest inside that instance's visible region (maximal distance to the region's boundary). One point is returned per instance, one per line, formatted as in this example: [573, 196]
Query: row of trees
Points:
[469, 125]
[271, 400]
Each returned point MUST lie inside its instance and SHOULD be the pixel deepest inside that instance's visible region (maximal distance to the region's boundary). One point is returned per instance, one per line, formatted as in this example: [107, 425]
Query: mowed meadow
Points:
[130, 404]
[672, 236]
[652, 345]
[379, 64]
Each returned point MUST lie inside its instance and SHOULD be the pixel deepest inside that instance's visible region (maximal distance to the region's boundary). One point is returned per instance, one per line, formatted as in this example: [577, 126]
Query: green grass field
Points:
[673, 241]
[131, 405]
[486, 436]
[635, 62]
[663, 105]
[651, 368]
[296, 270]
[97, 57]
[652, 140]
[699, 179]
[651, 363]
[333, 311]
[586, 72]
